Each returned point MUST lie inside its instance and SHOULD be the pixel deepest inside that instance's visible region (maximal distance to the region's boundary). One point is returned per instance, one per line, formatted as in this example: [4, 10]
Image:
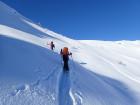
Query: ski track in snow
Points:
[64, 89]
[77, 98]
[25, 87]
[121, 72]
[54, 71]
[75, 95]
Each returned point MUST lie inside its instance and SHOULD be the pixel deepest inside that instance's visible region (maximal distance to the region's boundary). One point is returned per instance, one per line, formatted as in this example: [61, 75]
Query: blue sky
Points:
[85, 19]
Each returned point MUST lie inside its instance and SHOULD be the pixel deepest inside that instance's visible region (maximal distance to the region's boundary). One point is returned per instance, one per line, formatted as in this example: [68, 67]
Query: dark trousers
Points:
[66, 59]
[66, 66]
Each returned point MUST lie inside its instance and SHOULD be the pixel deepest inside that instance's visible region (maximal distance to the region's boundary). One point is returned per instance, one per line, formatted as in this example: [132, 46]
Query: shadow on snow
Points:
[99, 89]
[64, 88]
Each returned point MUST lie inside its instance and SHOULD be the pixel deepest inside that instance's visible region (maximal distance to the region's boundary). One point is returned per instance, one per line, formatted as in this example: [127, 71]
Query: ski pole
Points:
[73, 62]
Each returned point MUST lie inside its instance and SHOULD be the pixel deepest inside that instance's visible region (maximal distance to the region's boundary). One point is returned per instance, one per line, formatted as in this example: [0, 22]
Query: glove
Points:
[70, 53]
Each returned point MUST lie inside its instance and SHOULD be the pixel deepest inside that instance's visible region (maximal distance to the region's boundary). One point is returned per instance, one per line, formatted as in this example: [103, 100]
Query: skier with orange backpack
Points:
[65, 54]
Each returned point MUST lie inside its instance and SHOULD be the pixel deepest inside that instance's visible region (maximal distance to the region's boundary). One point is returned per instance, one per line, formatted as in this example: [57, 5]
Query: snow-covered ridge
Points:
[101, 72]
[11, 18]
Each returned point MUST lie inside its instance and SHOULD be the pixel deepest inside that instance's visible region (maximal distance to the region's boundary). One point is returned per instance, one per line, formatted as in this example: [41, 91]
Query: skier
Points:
[65, 54]
[52, 45]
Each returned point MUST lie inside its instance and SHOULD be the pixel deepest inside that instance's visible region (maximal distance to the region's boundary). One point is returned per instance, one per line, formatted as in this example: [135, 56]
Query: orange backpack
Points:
[65, 51]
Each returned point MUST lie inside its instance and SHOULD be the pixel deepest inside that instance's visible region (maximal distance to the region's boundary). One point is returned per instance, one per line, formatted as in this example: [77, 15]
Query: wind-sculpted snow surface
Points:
[95, 89]
[24, 68]
[101, 72]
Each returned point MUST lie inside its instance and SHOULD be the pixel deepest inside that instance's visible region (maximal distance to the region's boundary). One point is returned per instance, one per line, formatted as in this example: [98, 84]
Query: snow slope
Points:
[101, 72]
